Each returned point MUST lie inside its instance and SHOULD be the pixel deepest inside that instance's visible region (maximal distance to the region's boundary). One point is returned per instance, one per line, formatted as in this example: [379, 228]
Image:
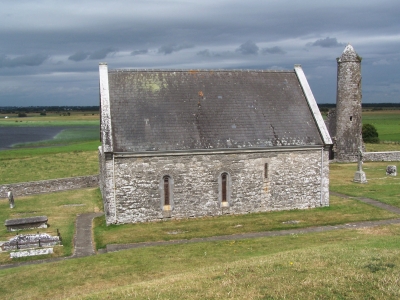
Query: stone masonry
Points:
[288, 184]
[47, 186]
[348, 134]
[381, 156]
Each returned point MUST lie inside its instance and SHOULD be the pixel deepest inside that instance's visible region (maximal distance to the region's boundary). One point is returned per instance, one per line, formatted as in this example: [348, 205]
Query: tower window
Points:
[351, 118]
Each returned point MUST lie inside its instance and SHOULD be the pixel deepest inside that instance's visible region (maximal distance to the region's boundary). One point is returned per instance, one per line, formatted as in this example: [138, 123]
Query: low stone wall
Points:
[47, 186]
[382, 156]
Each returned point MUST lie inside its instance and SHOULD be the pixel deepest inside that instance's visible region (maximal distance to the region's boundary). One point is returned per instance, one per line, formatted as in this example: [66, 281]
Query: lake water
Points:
[15, 135]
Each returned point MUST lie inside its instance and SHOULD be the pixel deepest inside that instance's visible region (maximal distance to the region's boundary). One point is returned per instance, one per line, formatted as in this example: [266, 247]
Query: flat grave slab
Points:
[26, 223]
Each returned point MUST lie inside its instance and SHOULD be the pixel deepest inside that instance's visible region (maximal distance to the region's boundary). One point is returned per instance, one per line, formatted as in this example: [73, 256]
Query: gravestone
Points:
[24, 245]
[11, 199]
[26, 223]
[391, 170]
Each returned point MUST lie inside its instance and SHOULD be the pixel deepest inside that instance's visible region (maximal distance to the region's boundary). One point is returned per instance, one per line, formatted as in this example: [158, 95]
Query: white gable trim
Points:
[106, 128]
[313, 105]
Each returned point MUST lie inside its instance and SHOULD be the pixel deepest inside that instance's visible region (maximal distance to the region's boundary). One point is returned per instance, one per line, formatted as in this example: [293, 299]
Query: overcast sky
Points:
[50, 50]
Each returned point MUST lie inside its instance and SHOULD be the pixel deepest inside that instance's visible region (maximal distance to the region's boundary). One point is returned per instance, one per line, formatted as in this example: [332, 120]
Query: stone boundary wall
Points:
[382, 156]
[47, 186]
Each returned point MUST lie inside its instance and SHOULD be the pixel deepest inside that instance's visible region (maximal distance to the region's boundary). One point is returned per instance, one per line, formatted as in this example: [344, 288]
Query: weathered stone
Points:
[31, 252]
[391, 170]
[28, 241]
[291, 184]
[382, 156]
[11, 199]
[348, 106]
[26, 223]
[47, 186]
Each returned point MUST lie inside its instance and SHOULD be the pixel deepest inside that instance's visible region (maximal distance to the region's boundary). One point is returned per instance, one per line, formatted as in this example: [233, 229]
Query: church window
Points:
[265, 170]
[224, 189]
[166, 192]
[223, 180]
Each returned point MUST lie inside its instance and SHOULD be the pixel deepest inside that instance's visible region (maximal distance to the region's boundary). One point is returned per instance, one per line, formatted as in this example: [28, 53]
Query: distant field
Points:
[73, 152]
[52, 119]
[62, 157]
[387, 123]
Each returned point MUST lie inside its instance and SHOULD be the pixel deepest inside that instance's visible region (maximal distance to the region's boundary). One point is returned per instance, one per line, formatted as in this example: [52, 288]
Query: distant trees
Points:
[370, 134]
[22, 115]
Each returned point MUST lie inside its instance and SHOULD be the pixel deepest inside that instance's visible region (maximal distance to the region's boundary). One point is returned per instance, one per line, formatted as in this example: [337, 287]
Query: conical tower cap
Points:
[349, 54]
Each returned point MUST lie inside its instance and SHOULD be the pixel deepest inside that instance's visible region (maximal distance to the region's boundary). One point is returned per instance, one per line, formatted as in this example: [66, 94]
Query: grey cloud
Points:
[273, 50]
[24, 60]
[205, 53]
[168, 49]
[138, 52]
[102, 53]
[327, 43]
[78, 56]
[248, 48]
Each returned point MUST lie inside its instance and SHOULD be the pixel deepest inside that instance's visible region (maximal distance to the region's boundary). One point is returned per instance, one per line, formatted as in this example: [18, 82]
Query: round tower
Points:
[348, 106]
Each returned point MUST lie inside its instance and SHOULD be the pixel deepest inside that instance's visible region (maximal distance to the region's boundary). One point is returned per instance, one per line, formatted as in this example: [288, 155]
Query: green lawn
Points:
[343, 264]
[49, 163]
[73, 152]
[379, 187]
[340, 211]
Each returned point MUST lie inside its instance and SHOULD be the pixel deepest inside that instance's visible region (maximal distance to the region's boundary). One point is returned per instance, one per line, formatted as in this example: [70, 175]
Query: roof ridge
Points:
[201, 70]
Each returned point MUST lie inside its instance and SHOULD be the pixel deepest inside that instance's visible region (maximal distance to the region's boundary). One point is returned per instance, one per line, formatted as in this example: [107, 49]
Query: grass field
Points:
[52, 119]
[340, 211]
[71, 153]
[345, 264]
[387, 123]
[379, 187]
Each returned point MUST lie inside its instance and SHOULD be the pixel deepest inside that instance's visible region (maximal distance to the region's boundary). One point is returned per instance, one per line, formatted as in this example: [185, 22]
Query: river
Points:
[10, 136]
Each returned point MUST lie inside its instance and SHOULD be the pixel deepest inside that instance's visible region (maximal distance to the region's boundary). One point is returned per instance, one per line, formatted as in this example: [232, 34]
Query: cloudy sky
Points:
[50, 50]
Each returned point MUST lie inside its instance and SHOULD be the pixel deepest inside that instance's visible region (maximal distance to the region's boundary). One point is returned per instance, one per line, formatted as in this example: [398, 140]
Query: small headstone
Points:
[11, 199]
[391, 170]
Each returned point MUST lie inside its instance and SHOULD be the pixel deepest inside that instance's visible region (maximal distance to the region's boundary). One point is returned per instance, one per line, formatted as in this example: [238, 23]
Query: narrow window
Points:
[265, 170]
[223, 183]
[166, 190]
[351, 118]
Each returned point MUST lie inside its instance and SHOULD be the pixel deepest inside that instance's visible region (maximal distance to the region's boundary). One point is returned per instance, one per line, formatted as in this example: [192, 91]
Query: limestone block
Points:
[391, 170]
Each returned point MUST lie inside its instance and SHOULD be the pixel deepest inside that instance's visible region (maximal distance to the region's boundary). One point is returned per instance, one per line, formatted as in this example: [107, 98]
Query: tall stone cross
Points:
[360, 176]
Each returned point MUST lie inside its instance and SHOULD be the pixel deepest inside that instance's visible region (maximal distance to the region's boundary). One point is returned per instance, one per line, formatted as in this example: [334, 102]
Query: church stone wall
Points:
[106, 184]
[295, 180]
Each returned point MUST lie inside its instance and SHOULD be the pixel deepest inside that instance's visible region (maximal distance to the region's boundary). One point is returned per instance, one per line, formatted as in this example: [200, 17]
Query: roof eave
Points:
[326, 138]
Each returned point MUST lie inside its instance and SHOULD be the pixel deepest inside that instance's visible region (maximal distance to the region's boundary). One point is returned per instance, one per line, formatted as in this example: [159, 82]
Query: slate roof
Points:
[158, 110]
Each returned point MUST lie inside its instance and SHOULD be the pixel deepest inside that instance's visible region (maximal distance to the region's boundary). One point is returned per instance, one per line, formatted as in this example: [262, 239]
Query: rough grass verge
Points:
[343, 264]
[340, 211]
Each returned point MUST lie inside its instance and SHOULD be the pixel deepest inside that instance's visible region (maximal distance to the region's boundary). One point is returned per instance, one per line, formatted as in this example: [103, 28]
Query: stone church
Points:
[193, 143]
